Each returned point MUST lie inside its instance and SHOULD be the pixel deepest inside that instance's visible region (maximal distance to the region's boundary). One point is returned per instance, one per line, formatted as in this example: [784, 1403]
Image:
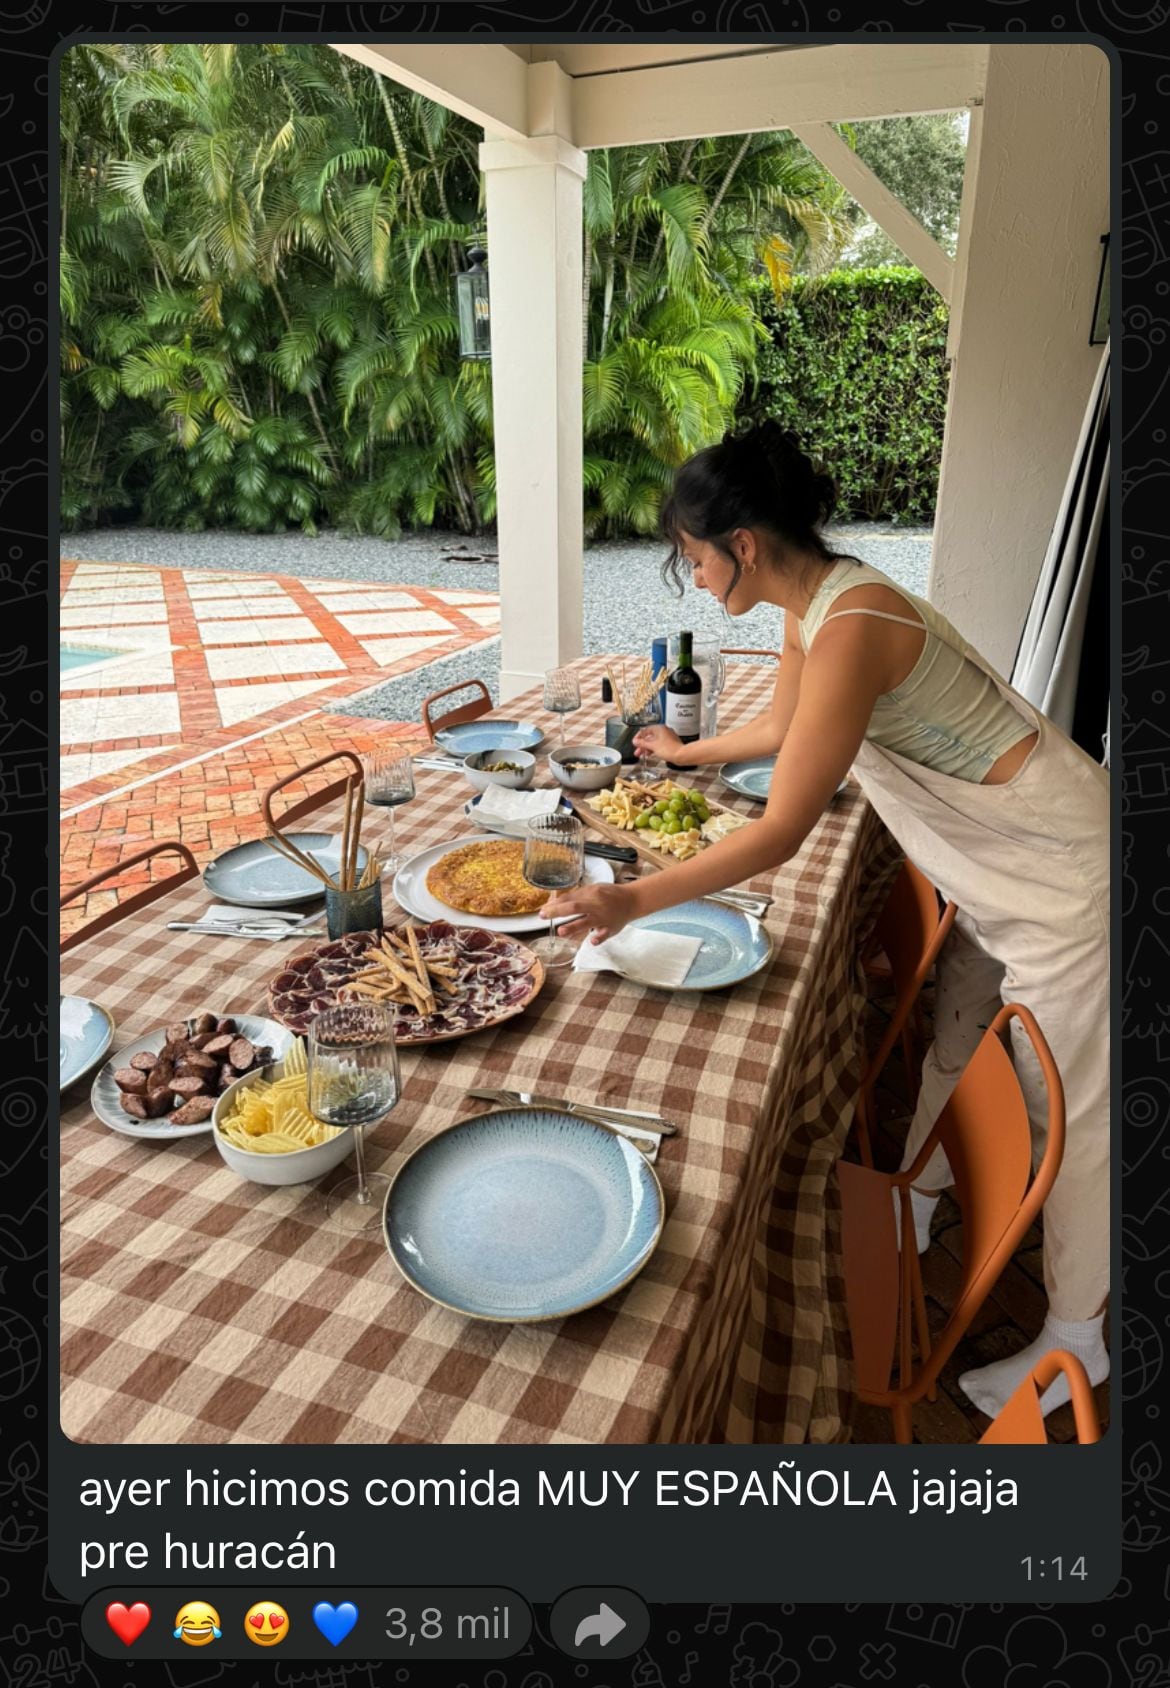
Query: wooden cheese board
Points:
[632, 838]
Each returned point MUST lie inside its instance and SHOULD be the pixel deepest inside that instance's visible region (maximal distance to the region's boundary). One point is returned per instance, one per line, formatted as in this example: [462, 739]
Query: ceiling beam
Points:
[482, 81]
[855, 176]
[735, 96]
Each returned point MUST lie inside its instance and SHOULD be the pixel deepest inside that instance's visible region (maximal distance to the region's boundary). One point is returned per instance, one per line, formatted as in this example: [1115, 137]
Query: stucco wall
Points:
[1028, 262]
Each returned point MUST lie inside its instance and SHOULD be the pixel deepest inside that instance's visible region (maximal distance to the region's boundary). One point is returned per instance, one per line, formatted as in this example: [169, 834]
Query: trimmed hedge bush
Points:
[857, 368]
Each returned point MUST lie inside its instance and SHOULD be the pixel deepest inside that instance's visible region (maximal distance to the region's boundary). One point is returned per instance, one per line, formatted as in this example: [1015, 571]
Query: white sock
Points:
[922, 1206]
[990, 1386]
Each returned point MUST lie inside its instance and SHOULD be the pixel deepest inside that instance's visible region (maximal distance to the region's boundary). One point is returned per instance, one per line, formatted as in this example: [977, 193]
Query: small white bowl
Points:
[298, 1166]
[586, 779]
[475, 767]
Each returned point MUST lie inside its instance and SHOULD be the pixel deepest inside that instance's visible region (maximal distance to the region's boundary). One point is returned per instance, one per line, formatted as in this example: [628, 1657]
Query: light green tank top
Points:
[947, 714]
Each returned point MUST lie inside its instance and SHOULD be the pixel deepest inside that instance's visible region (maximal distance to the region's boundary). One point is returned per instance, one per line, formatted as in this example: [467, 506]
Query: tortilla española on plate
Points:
[485, 879]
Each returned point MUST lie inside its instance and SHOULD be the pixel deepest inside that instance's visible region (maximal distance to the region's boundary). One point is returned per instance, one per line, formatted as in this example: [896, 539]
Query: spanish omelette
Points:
[485, 879]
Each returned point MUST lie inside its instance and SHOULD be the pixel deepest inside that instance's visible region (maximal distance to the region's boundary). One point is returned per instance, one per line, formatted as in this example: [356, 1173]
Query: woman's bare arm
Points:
[761, 736]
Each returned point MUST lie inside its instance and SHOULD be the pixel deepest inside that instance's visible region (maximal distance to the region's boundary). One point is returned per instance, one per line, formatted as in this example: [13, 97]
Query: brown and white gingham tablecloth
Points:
[199, 1308]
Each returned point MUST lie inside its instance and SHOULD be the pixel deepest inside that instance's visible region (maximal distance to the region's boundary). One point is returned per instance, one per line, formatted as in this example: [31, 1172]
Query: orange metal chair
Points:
[314, 799]
[160, 887]
[472, 711]
[909, 933]
[1021, 1420]
[985, 1132]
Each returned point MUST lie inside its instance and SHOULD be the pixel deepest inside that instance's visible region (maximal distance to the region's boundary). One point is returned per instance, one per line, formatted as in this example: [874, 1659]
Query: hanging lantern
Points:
[471, 286]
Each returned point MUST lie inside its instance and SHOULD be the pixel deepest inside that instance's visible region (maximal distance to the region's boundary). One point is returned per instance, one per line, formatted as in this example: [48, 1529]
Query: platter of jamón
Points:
[442, 981]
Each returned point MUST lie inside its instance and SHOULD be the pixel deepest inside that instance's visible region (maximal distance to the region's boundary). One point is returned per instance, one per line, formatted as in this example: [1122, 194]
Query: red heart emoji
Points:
[257, 1620]
[128, 1623]
[275, 1619]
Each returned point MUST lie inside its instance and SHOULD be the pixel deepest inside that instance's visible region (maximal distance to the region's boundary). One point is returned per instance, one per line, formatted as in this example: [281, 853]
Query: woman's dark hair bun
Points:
[807, 493]
[755, 477]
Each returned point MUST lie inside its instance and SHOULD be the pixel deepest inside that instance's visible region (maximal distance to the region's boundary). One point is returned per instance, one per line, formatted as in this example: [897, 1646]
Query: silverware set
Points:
[270, 924]
[746, 902]
[644, 1131]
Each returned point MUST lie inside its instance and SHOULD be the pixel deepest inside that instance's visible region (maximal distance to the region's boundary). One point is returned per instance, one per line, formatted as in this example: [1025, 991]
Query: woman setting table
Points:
[1003, 812]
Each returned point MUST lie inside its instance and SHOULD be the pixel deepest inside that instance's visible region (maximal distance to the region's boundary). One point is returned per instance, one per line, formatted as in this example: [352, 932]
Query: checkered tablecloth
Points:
[197, 1307]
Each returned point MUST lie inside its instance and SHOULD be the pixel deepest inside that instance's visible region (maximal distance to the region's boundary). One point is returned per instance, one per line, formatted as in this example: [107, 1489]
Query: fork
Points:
[647, 1140]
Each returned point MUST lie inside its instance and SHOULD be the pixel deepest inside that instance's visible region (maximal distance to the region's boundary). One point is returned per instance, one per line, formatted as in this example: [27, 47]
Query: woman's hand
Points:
[603, 908]
[658, 741]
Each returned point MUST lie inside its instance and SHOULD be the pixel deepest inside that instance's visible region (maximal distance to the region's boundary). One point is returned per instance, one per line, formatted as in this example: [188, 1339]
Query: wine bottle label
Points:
[684, 713]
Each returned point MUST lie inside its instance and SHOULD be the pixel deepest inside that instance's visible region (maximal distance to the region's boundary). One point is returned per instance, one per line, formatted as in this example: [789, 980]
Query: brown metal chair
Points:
[743, 650]
[314, 799]
[462, 712]
[986, 1134]
[150, 894]
[909, 932]
[1020, 1419]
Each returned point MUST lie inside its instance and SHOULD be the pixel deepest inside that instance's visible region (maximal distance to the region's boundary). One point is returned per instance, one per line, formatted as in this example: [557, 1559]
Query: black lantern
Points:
[475, 331]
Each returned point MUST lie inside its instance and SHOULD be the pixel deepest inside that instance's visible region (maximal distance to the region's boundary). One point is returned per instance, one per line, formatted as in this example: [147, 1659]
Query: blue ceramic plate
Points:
[754, 779]
[86, 1034]
[523, 1214]
[750, 779]
[256, 876]
[471, 736]
[735, 946]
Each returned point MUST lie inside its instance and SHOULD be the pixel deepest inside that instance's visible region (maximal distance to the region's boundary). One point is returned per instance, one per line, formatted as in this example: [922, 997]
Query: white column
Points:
[534, 261]
[1033, 214]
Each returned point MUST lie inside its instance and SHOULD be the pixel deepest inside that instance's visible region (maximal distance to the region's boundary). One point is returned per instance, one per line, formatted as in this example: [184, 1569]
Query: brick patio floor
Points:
[209, 687]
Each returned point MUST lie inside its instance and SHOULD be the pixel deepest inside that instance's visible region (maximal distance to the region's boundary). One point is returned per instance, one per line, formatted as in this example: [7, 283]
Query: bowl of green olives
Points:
[682, 811]
[511, 768]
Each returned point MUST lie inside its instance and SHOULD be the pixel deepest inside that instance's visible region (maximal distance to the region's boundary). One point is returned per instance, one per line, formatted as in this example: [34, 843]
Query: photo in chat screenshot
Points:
[612, 918]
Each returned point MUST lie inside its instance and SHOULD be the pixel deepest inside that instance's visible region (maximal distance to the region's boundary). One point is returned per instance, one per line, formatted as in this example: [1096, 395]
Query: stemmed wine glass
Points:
[648, 716]
[554, 858]
[354, 1080]
[562, 694]
[389, 783]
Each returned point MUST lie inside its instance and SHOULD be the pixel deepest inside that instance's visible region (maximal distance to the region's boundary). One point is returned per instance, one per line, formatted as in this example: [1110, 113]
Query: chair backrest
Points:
[743, 650]
[151, 893]
[985, 1131]
[910, 932]
[479, 705]
[314, 799]
[1021, 1421]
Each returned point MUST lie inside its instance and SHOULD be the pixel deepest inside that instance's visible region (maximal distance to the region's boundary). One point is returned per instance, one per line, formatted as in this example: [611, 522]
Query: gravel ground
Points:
[626, 603]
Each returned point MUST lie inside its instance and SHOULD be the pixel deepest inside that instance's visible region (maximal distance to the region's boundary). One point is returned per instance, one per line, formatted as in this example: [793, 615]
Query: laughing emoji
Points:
[197, 1623]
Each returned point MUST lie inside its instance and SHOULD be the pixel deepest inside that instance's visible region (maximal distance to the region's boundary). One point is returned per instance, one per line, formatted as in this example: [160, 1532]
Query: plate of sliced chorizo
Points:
[164, 1085]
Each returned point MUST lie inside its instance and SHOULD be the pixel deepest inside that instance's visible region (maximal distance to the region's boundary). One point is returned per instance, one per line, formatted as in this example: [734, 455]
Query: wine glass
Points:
[389, 782]
[562, 694]
[554, 857]
[354, 1080]
[650, 715]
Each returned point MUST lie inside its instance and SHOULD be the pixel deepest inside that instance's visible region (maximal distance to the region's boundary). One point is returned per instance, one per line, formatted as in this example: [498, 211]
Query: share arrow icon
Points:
[604, 1624]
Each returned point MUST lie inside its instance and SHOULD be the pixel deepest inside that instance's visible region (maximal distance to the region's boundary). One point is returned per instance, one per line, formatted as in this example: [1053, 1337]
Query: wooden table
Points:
[199, 1308]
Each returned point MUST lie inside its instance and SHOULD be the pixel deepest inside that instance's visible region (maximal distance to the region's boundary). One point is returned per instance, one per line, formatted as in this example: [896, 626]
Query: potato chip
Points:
[271, 1117]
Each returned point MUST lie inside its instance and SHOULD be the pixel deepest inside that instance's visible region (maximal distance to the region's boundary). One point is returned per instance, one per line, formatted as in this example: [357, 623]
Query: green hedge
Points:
[857, 368]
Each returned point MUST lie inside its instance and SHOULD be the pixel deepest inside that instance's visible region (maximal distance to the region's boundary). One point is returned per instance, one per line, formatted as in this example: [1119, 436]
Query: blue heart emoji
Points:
[335, 1622]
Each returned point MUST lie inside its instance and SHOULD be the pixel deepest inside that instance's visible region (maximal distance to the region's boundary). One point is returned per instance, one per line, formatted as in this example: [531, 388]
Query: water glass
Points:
[562, 693]
[650, 716]
[389, 778]
[354, 1081]
[554, 859]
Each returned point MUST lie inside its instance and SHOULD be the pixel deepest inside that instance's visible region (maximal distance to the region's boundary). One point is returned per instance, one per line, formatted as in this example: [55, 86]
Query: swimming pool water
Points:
[77, 656]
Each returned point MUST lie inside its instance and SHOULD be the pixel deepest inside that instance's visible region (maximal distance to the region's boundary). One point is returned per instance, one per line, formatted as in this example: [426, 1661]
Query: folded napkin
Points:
[660, 958]
[501, 803]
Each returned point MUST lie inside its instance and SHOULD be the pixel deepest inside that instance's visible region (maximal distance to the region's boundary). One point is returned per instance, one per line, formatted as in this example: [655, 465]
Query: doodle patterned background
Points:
[1125, 1640]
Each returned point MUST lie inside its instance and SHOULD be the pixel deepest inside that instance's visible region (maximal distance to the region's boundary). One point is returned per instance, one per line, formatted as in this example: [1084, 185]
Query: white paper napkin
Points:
[662, 958]
[501, 803]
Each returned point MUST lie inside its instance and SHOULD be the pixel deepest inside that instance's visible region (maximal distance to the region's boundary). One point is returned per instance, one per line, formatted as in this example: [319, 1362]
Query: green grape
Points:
[672, 826]
[642, 821]
[695, 796]
[655, 822]
[677, 802]
[661, 806]
[703, 812]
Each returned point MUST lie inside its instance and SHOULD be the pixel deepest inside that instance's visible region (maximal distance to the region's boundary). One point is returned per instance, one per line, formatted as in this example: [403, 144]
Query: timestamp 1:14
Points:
[1058, 1568]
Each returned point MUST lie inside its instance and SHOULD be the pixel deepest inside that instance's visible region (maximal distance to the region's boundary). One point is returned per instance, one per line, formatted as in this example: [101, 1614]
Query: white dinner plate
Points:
[410, 891]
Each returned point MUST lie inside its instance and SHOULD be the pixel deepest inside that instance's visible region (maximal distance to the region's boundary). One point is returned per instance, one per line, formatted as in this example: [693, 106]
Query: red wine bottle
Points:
[684, 697]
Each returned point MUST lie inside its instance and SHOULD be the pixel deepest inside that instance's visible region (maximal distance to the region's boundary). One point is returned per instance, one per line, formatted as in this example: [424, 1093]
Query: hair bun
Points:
[804, 488]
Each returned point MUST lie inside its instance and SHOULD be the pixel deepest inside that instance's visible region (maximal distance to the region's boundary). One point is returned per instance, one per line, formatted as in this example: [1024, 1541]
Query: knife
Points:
[611, 852]
[632, 1118]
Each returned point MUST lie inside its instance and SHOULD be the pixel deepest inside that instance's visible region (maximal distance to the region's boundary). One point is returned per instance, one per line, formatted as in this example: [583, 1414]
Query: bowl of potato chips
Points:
[265, 1132]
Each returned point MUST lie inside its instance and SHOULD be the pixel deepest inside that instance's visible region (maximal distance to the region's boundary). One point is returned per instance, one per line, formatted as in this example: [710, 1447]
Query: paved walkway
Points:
[189, 693]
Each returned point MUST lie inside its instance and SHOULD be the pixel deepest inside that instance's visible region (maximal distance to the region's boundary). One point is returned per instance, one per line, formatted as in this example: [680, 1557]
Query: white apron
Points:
[1027, 864]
